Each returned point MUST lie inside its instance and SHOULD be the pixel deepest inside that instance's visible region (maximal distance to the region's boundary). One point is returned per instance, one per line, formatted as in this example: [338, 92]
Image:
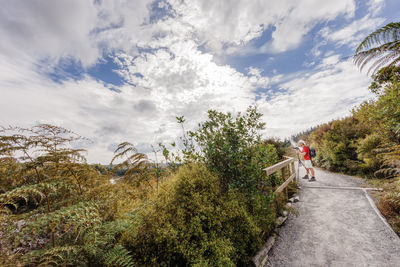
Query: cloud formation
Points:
[170, 54]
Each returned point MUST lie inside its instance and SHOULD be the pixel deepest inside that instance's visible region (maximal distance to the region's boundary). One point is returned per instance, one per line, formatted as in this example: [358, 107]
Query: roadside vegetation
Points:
[367, 143]
[212, 205]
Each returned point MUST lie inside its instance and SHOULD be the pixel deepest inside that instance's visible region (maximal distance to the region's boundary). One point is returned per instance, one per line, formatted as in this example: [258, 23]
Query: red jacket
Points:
[307, 155]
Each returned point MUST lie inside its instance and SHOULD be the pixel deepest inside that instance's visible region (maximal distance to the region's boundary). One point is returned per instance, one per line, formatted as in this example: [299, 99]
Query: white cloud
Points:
[171, 76]
[81, 30]
[218, 24]
[330, 60]
[47, 30]
[375, 6]
[182, 80]
[309, 100]
[353, 33]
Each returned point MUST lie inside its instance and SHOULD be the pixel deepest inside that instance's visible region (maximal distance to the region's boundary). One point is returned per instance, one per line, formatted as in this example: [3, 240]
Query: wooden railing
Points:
[288, 172]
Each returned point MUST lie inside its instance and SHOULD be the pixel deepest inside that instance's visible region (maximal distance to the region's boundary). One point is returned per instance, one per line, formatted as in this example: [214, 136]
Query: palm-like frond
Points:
[134, 161]
[390, 155]
[122, 150]
[381, 46]
[385, 34]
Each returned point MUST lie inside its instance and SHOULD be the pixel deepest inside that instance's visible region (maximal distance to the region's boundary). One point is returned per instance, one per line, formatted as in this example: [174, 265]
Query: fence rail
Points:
[288, 172]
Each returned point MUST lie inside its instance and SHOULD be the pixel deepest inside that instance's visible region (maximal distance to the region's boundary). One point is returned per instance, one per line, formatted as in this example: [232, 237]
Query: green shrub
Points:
[192, 222]
[231, 146]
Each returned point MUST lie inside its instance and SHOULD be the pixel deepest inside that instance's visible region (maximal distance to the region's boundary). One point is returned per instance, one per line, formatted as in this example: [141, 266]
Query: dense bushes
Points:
[217, 208]
[56, 209]
[192, 222]
[368, 142]
[337, 145]
[212, 207]
[231, 146]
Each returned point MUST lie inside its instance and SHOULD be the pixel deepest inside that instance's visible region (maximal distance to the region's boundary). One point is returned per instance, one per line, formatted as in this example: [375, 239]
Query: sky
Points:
[119, 70]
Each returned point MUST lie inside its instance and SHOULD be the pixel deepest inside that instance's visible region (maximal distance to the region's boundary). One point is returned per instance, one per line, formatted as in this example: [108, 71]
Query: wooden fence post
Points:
[294, 170]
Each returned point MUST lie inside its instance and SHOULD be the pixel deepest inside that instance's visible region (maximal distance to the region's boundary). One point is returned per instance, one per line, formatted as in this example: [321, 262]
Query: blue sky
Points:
[119, 70]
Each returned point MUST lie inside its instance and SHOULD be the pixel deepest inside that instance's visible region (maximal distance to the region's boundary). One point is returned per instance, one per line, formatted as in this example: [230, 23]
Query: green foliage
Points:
[384, 77]
[192, 222]
[57, 256]
[28, 193]
[367, 152]
[118, 256]
[60, 202]
[279, 146]
[215, 206]
[381, 46]
[72, 222]
[337, 144]
[368, 142]
[231, 146]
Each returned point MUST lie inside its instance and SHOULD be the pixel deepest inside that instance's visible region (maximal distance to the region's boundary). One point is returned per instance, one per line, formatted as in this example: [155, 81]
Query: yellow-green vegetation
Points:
[368, 142]
[55, 208]
[193, 223]
[212, 207]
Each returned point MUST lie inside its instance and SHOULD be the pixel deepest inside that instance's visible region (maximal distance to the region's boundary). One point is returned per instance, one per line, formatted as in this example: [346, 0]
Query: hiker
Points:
[305, 151]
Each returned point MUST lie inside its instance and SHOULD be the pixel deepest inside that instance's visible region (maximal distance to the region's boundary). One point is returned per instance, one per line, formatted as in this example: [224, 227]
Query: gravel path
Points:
[336, 227]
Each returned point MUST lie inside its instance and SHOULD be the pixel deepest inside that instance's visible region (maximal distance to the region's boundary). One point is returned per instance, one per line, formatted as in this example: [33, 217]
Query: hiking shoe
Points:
[312, 179]
[305, 177]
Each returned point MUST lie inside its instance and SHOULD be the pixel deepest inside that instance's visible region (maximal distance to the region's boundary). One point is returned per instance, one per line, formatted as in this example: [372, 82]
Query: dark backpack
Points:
[312, 152]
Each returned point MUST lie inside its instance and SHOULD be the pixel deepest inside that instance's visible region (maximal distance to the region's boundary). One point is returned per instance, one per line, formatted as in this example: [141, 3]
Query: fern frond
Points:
[390, 155]
[26, 193]
[118, 256]
[135, 163]
[387, 33]
[387, 172]
[74, 221]
[386, 60]
[122, 150]
[388, 52]
[57, 256]
[35, 193]
[383, 45]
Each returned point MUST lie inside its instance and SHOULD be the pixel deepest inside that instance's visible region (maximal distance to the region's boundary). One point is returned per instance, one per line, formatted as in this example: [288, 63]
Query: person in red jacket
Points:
[305, 151]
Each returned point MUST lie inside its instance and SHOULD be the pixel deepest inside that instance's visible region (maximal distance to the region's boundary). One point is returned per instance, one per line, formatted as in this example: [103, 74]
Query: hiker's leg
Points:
[306, 176]
[312, 172]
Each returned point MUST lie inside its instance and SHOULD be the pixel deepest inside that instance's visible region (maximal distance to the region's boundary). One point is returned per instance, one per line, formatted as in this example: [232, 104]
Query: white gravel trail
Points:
[335, 227]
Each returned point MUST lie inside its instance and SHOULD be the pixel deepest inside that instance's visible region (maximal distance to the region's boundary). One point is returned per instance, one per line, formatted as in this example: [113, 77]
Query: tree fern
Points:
[390, 155]
[385, 34]
[136, 164]
[381, 47]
